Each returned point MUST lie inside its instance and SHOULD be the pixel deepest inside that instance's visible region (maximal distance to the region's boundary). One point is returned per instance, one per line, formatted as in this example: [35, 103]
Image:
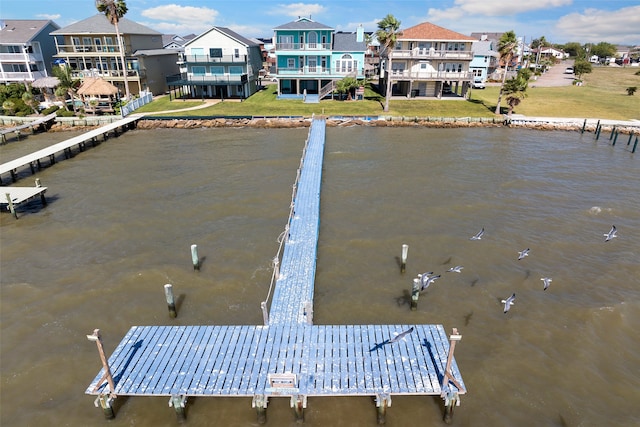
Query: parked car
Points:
[568, 70]
[478, 84]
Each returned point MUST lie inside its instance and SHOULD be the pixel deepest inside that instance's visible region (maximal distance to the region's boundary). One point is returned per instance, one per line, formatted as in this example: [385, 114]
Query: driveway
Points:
[555, 76]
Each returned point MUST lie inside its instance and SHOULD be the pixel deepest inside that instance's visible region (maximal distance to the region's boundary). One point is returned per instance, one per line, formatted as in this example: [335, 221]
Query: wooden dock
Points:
[288, 355]
[32, 126]
[15, 196]
[34, 160]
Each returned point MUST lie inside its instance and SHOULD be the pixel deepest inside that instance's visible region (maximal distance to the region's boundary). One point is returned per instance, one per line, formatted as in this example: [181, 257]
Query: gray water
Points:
[122, 216]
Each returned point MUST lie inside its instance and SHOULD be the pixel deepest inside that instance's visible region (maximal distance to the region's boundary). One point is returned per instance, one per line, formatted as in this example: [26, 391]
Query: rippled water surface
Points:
[122, 216]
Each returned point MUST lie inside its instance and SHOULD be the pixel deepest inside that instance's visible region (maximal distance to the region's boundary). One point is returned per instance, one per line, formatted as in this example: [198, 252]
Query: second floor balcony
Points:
[208, 59]
[20, 57]
[89, 49]
[105, 74]
[431, 75]
[315, 47]
[21, 76]
[187, 79]
[317, 71]
[431, 53]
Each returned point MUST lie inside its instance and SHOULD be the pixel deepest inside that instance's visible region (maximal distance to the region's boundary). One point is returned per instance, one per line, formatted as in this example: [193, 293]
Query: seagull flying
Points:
[509, 302]
[611, 234]
[428, 281]
[547, 281]
[400, 336]
[523, 254]
[478, 236]
[456, 269]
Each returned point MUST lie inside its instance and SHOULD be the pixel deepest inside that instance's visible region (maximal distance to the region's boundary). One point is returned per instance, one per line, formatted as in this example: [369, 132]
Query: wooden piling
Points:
[403, 264]
[260, 403]
[298, 403]
[615, 137]
[630, 138]
[584, 125]
[383, 401]
[12, 208]
[104, 399]
[171, 303]
[635, 144]
[415, 293]
[194, 257]
[265, 313]
[451, 398]
[612, 132]
[179, 403]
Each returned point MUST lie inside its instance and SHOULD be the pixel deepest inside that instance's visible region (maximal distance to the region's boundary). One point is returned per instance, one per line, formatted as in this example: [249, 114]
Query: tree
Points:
[114, 10]
[68, 85]
[506, 50]
[346, 85]
[603, 50]
[580, 67]
[541, 42]
[515, 90]
[387, 34]
[574, 49]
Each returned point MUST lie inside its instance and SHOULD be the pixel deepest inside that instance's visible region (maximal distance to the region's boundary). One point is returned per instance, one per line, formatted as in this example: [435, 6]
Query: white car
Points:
[568, 70]
[478, 84]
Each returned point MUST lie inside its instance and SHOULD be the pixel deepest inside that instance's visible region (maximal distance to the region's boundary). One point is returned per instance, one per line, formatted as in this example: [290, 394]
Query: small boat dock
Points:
[15, 196]
[287, 356]
[32, 126]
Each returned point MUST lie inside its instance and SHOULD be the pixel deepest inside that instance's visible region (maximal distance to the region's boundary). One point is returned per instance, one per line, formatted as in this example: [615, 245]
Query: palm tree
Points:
[67, 86]
[387, 34]
[515, 90]
[506, 49]
[114, 10]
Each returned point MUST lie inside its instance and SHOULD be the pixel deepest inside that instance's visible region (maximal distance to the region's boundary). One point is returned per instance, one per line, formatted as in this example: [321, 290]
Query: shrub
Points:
[64, 113]
[50, 110]
[631, 90]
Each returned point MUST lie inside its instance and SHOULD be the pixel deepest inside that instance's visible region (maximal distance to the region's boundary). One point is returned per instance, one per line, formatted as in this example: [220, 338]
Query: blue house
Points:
[311, 57]
[485, 60]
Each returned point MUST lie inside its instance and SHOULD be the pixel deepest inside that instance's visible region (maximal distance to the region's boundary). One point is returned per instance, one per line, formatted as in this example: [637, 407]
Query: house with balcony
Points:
[91, 49]
[219, 63]
[485, 60]
[430, 61]
[26, 50]
[311, 57]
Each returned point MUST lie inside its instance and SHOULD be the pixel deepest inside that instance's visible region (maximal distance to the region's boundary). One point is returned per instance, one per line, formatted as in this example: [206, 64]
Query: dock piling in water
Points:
[104, 399]
[403, 265]
[194, 257]
[171, 303]
[415, 293]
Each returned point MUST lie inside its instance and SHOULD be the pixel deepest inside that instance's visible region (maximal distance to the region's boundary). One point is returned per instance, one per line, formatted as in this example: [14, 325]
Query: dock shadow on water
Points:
[125, 212]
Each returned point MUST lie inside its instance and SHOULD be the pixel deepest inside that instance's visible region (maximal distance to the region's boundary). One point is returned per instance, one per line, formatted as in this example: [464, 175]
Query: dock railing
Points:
[145, 98]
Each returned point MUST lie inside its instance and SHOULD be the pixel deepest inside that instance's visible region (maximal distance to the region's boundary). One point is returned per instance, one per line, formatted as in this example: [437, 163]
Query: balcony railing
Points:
[214, 59]
[20, 58]
[21, 76]
[88, 48]
[431, 75]
[303, 46]
[424, 53]
[206, 79]
[319, 71]
[108, 74]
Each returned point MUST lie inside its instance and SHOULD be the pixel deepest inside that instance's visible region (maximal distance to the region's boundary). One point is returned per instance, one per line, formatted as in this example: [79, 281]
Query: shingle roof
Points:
[303, 24]
[237, 36]
[346, 42]
[483, 48]
[428, 32]
[99, 24]
[18, 31]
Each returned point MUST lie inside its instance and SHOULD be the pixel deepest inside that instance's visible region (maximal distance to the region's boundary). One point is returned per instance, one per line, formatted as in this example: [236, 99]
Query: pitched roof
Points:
[99, 24]
[96, 86]
[483, 48]
[15, 31]
[429, 32]
[346, 42]
[303, 24]
[229, 33]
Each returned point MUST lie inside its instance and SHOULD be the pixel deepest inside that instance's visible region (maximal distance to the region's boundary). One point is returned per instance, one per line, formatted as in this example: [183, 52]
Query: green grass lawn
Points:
[603, 95]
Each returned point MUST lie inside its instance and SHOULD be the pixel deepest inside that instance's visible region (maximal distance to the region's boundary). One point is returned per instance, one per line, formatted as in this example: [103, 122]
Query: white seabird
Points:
[547, 281]
[611, 234]
[523, 254]
[428, 282]
[509, 302]
[456, 269]
[478, 235]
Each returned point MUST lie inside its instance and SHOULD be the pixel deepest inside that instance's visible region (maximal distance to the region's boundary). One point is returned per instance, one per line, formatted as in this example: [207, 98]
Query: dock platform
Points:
[288, 355]
[32, 125]
[15, 196]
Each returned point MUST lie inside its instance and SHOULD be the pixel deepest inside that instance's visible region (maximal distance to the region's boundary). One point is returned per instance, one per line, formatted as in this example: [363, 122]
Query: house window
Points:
[109, 46]
[423, 66]
[452, 67]
[216, 70]
[98, 44]
[346, 64]
[286, 42]
[235, 70]
[198, 71]
[215, 52]
[313, 40]
[236, 53]
[291, 63]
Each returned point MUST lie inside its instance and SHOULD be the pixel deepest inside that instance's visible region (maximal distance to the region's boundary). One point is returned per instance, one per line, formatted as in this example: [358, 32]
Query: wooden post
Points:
[265, 313]
[630, 138]
[104, 399]
[260, 403]
[612, 132]
[635, 144]
[276, 268]
[178, 403]
[298, 403]
[615, 138]
[415, 293]
[451, 398]
[403, 265]
[194, 257]
[598, 128]
[584, 125]
[168, 292]
[12, 208]
[383, 401]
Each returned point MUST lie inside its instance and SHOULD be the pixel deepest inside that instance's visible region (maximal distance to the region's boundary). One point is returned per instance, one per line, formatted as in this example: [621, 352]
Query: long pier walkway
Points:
[288, 355]
[34, 160]
[33, 125]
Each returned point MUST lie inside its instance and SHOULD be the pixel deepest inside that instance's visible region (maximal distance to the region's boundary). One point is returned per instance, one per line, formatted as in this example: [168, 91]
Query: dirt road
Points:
[555, 76]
